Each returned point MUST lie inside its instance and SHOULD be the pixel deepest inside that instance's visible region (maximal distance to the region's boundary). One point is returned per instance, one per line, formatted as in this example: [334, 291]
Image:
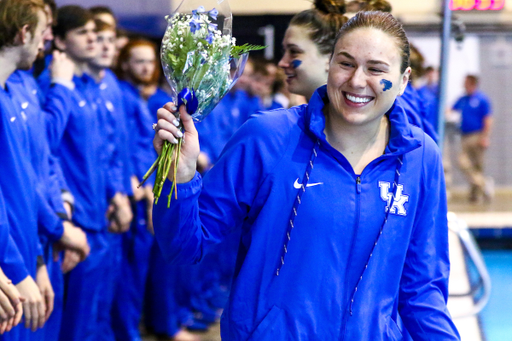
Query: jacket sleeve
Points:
[57, 109]
[200, 218]
[49, 223]
[424, 284]
[124, 153]
[56, 186]
[11, 261]
[143, 154]
[114, 144]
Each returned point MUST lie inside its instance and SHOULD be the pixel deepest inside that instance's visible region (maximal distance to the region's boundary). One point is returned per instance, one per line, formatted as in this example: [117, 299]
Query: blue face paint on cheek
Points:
[387, 84]
[296, 63]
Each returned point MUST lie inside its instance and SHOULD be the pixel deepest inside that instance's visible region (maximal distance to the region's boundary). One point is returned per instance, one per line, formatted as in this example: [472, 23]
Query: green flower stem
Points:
[149, 172]
[174, 186]
[161, 160]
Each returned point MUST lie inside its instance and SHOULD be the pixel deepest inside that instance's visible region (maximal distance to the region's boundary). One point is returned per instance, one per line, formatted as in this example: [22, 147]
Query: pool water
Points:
[497, 315]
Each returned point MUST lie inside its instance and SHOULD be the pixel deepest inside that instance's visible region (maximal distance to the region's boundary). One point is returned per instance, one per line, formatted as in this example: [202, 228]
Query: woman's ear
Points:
[404, 81]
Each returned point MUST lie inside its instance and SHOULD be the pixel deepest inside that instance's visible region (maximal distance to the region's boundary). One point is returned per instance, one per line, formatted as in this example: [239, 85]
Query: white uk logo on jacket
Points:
[400, 198]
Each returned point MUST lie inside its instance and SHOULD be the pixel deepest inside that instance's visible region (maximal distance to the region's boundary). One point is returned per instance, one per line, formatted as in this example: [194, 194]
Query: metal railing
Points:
[460, 228]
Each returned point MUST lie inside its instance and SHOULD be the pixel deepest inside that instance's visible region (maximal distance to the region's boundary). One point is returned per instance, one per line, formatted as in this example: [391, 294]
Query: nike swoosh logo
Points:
[297, 185]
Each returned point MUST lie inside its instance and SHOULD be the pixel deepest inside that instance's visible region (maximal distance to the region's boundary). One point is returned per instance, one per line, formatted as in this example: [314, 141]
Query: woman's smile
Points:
[355, 100]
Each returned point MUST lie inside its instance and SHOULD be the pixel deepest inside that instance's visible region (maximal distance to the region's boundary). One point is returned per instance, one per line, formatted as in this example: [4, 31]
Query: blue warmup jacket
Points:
[416, 110]
[335, 284]
[27, 97]
[77, 138]
[111, 108]
[139, 120]
[18, 183]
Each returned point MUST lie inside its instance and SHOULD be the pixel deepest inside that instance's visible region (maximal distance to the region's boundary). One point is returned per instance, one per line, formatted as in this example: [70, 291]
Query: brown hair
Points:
[53, 7]
[14, 14]
[125, 55]
[377, 5]
[101, 10]
[322, 21]
[260, 67]
[416, 60]
[98, 10]
[103, 26]
[473, 79]
[380, 21]
[69, 18]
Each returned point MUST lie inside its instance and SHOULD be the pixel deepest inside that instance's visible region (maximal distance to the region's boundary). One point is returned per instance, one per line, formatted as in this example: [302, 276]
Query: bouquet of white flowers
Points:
[201, 63]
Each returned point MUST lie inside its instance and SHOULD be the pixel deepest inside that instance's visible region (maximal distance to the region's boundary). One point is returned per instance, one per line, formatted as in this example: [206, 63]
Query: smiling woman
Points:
[329, 196]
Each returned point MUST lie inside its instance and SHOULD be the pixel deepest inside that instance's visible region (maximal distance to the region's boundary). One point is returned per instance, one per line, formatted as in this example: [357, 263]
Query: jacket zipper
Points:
[358, 212]
[346, 314]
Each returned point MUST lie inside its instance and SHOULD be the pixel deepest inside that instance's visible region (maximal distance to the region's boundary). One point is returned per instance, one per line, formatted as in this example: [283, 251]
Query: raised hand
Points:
[167, 130]
[62, 67]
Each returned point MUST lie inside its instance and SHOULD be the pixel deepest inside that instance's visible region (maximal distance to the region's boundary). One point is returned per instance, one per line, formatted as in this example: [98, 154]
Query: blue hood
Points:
[401, 139]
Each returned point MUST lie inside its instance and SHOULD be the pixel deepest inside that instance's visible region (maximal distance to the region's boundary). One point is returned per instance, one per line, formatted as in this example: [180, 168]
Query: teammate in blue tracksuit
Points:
[77, 139]
[53, 224]
[341, 204]
[137, 242]
[23, 200]
[429, 93]
[112, 114]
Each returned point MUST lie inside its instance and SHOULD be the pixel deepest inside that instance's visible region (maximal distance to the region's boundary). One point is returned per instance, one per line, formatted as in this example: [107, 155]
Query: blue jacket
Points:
[218, 127]
[158, 100]
[429, 95]
[335, 284]
[77, 138]
[18, 183]
[27, 98]
[416, 110]
[140, 116]
[112, 113]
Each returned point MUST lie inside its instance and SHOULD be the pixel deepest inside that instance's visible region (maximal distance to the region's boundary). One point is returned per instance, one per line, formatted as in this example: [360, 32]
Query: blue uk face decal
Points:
[296, 63]
[387, 84]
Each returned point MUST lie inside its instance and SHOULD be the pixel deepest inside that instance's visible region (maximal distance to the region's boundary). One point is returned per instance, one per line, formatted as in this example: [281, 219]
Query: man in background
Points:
[476, 125]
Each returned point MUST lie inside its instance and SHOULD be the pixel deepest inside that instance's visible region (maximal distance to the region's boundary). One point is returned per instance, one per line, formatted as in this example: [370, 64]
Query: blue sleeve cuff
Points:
[178, 228]
[185, 191]
[12, 262]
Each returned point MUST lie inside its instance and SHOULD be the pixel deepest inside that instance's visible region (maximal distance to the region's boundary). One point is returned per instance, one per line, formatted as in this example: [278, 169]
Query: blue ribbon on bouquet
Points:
[188, 98]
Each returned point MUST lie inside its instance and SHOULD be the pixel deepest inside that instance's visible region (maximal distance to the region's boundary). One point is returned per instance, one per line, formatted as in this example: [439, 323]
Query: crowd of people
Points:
[79, 259]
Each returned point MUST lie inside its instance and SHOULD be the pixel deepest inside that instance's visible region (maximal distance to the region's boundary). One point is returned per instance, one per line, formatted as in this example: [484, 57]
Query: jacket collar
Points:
[401, 139]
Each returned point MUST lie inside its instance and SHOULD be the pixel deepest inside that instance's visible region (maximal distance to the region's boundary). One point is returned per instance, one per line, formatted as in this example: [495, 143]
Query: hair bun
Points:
[378, 5]
[330, 6]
